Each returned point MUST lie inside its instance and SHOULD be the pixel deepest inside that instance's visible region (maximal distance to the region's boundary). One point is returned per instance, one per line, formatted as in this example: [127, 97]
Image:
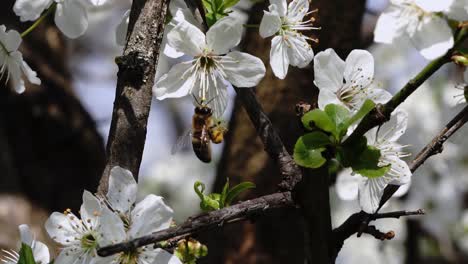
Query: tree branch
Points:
[381, 113]
[133, 95]
[193, 225]
[358, 222]
[291, 173]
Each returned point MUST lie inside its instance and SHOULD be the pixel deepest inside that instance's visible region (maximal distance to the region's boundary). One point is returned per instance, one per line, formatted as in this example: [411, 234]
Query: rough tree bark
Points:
[134, 87]
[279, 237]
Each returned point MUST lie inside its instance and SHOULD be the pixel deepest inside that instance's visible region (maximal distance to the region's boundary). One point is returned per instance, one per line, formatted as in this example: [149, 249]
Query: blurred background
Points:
[52, 140]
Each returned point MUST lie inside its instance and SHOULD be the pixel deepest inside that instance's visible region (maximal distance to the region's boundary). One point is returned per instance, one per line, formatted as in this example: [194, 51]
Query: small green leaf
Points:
[308, 149]
[347, 153]
[229, 3]
[363, 111]
[217, 5]
[339, 116]
[210, 202]
[367, 163]
[319, 119]
[208, 6]
[210, 19]
[26, 255]
[236, 190]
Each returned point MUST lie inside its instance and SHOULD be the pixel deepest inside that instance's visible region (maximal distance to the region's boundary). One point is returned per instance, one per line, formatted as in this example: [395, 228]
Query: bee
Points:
[205, 129]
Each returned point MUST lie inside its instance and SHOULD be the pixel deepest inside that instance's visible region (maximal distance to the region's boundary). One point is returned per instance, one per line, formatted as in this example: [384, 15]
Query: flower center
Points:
[129, 257]
[89, 242]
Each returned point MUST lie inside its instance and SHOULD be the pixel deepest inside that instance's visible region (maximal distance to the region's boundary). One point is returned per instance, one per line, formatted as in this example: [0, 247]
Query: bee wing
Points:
[184, 141]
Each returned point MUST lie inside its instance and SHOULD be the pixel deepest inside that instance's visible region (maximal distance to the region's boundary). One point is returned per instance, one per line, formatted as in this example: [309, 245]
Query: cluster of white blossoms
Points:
[350, 83]
[424, 22]
[112, 219]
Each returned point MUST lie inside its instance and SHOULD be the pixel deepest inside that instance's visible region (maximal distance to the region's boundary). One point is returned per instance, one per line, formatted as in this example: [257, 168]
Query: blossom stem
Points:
[381, 113]
[39, 20]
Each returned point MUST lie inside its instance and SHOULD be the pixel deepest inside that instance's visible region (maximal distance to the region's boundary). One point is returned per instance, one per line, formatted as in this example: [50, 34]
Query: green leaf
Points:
[363, 111]
[229, 3]
[339, 115]
[210, 202]
[308, 149]
[319, 119]
[208, 6]
[224, 194]
[236, 190]
[26, 255]
[348, 152]
[210, 18]
[367, 163]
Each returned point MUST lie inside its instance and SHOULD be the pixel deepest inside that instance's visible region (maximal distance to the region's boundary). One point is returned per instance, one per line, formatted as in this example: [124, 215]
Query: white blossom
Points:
[288, 46]
[205, 76]
[348, 83]
[11, 60]
[132, 220]
[80, 237]
[40, 251]
[420, 21]
[71, 16]
[369, 190]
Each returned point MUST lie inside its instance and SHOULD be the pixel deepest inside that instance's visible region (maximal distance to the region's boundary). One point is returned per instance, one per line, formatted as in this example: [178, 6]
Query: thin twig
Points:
[271, 140]
[241, 211]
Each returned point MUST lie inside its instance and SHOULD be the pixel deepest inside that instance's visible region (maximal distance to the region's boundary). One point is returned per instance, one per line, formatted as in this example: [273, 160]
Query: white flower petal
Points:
[297, 9]
[97, 2]
[184, 15]
[279, 60]
[390, 26]
[242, 69]
[121, 31]
[69, 256]
[270, 24]
[30, 74]
[30, 10]
[328, 71]
[300, 53]
[370, 193]
[178, 82]
[111, 227]
[402, 190]
[150, 215]
[347, 185]
[326, 97]
[359, 68]
[175, 5]
[224, 35]
[122, 189]
[395, 127]
[41, 253]
[26, 235]
[434, 6]
[458, 10]
[62, 228]
[164, 257]
[433, 37]
[71, 18]
[10, 39]
[90, 209]
[402, 172]
[377, 95]
[187, 38]
[281, 6]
